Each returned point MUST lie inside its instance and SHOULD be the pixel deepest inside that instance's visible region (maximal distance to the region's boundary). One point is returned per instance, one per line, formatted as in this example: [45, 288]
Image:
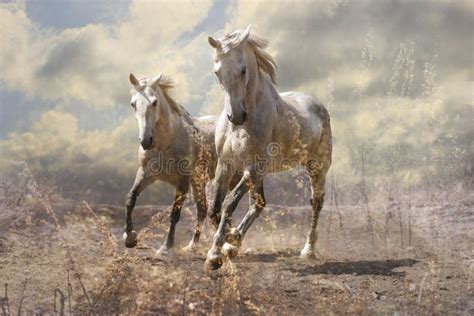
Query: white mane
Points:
[266, 63]
[166, 84]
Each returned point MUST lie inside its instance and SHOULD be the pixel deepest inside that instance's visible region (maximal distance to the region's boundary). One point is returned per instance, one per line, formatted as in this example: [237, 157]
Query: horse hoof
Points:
[307, 253]
[230, 251]
[214, 262]
[130, 239]
[163, 251]
[190, 248]
[307, 256]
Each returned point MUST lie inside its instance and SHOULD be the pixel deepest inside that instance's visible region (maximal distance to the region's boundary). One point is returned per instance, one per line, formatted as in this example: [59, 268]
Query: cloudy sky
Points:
[64, 63]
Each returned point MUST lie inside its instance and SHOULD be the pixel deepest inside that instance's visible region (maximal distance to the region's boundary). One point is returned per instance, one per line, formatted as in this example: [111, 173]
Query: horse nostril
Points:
[147, 142]
[229, 117]
[244, 116]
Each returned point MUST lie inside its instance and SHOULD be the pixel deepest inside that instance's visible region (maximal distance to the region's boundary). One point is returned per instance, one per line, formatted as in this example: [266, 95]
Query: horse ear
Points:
[133, 80]
[156, 80]
[213, 42]
[245, 34]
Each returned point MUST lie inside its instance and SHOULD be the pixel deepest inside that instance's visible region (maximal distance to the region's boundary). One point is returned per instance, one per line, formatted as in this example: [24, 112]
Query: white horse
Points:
[261, 131]
[175, 148]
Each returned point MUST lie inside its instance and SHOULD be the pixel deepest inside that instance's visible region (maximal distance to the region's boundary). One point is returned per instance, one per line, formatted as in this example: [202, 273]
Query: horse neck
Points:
[260, 90]
[169, 122]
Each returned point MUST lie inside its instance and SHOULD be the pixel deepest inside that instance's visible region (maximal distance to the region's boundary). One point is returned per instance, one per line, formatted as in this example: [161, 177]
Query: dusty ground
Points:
[381, 259]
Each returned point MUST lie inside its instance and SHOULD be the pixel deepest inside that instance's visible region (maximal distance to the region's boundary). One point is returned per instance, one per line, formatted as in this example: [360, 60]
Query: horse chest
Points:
[239, 142]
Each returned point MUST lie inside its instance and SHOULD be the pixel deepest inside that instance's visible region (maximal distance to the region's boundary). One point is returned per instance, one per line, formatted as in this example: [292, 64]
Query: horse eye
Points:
[132, 104]
[244, 70]
[154, 103]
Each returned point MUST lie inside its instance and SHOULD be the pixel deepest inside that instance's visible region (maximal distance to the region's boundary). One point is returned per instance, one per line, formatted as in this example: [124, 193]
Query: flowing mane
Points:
[265, 61]
[166, 84]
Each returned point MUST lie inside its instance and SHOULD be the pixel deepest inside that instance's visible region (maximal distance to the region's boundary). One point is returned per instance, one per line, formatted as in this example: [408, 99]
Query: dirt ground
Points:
[394, 258]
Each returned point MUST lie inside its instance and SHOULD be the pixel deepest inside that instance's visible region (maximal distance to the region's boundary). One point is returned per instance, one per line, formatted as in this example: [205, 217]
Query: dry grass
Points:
[62, 256]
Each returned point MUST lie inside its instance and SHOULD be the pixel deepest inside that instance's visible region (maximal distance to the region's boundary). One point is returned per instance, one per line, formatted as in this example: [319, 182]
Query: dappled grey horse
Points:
[258, 132]
[175, 148]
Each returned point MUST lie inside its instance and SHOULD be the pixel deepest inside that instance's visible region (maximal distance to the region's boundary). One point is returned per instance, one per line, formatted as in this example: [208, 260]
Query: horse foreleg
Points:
[235, 236]
[199, 191]
[317, 188]
[174, 219]
[215, 257]
[221, 186]
[141, 182]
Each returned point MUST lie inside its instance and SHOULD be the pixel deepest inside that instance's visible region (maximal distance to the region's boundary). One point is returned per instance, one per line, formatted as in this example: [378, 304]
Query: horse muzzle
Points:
[237, 121]
[147, 143]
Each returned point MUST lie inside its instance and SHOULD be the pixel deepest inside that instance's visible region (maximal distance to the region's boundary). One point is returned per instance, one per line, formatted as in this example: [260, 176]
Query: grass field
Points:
[64, 256]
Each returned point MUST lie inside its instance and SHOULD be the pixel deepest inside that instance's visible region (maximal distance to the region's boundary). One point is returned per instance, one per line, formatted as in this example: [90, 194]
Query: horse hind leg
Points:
[317, 188]
[174, 219]
[199, 191]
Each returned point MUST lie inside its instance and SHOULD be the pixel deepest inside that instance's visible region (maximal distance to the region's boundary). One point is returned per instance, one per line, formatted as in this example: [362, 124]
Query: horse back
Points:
[306, 117]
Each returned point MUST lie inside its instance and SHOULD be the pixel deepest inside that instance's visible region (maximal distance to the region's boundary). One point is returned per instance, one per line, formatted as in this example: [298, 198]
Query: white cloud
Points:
[214, 102]
[55, 142]
[310, 40]
[90, 64]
